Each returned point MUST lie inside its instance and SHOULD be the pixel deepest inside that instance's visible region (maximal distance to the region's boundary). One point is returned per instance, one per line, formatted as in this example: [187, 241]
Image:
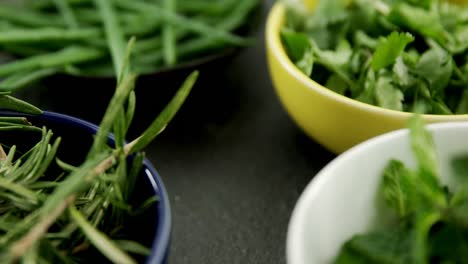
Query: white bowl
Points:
[341, 200]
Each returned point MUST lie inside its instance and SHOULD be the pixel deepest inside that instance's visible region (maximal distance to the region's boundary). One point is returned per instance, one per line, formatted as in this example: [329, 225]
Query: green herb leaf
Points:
[435, 66]
[392, 246]
[10, 103]
[387, 95]
[165, 116]
[397, 187]
[389, 49]
[106, 246]
[418, 19]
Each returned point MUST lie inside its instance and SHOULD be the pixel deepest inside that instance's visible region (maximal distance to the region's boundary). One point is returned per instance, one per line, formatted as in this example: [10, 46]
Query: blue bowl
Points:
[161, 213]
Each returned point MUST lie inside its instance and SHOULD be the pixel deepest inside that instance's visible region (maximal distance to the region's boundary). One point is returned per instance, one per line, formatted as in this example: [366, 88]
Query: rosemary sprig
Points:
[85, 203]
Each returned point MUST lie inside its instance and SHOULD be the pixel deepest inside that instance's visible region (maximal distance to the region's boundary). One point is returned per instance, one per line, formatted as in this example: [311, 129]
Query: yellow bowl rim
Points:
[275, 45]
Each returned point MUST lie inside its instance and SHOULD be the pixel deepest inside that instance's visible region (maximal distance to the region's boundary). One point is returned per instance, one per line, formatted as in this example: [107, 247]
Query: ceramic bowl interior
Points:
[342, 198]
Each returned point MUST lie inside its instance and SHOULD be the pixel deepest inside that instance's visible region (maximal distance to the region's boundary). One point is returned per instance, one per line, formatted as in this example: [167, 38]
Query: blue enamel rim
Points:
[160, 247]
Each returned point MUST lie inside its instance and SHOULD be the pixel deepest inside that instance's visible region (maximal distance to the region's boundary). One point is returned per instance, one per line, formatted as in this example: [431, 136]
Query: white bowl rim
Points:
[294, 251]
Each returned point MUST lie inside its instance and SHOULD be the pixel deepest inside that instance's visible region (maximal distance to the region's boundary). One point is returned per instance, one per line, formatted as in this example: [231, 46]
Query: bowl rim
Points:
[274, 44]
[161, 240]
[294, 251]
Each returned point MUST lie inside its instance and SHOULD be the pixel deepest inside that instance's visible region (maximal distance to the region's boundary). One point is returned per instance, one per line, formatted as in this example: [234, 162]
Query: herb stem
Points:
[3, 155]
[19, 248]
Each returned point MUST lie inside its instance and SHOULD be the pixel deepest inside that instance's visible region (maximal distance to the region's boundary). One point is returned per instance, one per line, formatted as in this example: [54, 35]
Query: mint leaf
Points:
[449, 243]
[397, 189]
[422, 145]
[387, 246]
[389, 49]
[460, 167]
[423, 223]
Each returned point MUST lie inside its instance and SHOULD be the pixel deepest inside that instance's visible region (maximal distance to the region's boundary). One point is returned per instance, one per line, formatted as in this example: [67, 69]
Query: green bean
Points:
[114, 35]
[155, 42]
[185, 49]
[132, 24]
[44, 4]
[69, 55]
[168, 35]
[167, 31]
[106, 69]
[23, 49]
[67, 13]
[183, 22]
[22, 79]
[206, 7]
[29, 18]
[6, 25]
[147, 44]
[47, 35]
[194, 46]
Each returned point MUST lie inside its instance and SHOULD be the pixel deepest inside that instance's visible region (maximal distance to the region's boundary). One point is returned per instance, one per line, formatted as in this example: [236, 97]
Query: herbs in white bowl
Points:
[394, 54]
[431, 219]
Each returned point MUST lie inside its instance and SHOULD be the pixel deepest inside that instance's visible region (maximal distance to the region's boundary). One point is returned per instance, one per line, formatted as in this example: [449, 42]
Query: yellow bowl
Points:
[334, 121]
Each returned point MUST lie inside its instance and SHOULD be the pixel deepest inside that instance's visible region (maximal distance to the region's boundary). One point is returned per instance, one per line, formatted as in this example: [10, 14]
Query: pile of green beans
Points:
[46, 37]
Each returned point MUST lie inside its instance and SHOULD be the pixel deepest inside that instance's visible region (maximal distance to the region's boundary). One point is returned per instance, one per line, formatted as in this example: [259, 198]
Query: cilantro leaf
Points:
[462, 107]
[435, 66]
[387, 95]
[340, 56]
[401, 71]
[296, 44]
[306, 63]
[299, 49]
[389, 49]
[336, 84]
[423, 44]
[419, 20]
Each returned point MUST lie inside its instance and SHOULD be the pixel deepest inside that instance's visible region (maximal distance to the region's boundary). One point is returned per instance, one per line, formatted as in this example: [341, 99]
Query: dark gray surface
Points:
[233, 162]
[234, 179]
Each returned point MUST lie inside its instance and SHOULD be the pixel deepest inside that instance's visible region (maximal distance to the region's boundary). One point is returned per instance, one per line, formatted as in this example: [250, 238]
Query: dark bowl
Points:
[151, 228]
[87, 96]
